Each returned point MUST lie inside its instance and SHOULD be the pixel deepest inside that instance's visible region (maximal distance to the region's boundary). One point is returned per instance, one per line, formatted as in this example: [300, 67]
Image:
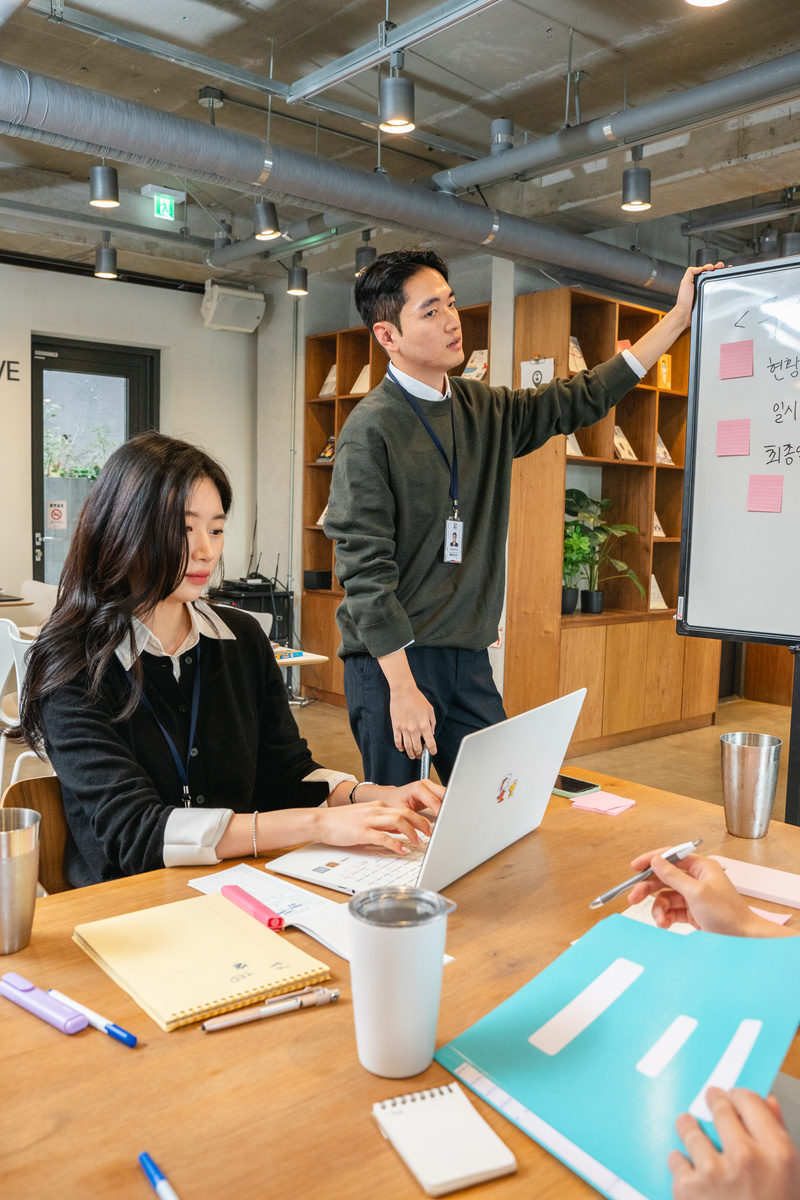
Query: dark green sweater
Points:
[390, 496]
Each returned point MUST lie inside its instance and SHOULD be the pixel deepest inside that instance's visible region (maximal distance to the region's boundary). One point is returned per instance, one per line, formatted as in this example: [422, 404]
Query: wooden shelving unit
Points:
[642, 679]
[350, 350]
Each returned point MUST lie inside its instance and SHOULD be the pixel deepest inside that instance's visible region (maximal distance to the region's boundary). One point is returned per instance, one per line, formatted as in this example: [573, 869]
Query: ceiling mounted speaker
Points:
[231, 308]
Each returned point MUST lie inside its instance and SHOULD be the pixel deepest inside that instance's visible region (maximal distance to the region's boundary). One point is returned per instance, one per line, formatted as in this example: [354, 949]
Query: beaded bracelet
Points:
[255, 846]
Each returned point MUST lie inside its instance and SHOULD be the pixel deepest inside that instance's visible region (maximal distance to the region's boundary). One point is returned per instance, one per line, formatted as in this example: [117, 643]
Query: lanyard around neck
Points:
[452, 467]
[180, 767]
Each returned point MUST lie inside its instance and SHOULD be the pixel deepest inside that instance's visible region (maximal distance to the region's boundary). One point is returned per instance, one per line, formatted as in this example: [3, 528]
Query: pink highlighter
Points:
[253, 907]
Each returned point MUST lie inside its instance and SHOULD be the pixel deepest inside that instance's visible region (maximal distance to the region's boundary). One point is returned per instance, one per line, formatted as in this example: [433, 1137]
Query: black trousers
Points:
[459, 685]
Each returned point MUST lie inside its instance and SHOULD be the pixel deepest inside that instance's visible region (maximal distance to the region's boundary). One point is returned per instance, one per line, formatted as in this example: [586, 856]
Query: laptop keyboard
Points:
[383, 871]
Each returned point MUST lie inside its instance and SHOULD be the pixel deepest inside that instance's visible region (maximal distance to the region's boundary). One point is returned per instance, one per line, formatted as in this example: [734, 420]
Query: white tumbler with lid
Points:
[397, 938]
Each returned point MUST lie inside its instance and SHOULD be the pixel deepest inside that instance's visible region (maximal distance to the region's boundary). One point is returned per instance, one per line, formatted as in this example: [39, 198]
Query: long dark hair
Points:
[128, 553]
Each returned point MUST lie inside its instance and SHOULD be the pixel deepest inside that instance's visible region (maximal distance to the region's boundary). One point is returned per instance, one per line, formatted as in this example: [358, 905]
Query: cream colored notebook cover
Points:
[187, 961]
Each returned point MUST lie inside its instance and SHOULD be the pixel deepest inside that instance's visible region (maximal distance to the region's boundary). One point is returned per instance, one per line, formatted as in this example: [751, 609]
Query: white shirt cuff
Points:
[332, 778]
[634, 363]
[191, 836]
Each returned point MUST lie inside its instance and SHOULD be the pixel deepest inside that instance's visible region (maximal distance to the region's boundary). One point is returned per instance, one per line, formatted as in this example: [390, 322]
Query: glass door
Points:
[87, 399]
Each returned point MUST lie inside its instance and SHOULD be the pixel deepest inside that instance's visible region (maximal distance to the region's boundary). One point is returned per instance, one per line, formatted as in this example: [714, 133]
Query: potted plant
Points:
[589, 516]
[577, 553]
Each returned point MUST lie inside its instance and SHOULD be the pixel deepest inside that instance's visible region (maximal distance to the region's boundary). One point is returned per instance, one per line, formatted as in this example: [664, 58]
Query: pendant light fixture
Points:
[636, 184]
[705, 3]
[297, 282]
[105, 259]
[365, 254]
[265, 221]
[397, 98]
[103, 187]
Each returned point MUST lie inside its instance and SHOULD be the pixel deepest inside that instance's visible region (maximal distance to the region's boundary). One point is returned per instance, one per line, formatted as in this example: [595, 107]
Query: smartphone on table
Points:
[569, 786]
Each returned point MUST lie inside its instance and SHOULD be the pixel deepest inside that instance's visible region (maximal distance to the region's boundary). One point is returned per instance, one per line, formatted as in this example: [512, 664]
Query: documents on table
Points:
[600, 1052]
[322, 919]
[191, 959]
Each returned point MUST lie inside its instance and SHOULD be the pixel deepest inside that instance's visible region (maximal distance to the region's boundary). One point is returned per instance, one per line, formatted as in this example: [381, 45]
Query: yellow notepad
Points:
[187, 961]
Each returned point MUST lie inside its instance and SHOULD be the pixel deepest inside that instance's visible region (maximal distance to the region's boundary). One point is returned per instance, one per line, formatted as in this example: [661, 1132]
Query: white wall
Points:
[208, 387]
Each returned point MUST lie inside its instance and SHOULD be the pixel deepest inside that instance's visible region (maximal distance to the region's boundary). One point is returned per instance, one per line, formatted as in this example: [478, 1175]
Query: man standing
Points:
[419, 508]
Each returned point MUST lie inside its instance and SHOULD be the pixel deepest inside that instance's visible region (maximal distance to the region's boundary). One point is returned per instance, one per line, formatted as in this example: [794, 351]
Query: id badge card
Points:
[453, 540]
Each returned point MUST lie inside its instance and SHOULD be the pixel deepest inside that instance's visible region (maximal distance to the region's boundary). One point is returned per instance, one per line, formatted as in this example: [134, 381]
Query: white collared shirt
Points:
[191, 835]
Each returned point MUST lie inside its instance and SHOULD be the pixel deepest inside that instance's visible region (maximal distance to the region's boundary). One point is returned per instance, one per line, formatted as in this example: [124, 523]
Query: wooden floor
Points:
[686, 763]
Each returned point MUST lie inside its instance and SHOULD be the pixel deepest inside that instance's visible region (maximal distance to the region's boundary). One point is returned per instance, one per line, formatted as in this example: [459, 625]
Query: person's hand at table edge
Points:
[758, 1159]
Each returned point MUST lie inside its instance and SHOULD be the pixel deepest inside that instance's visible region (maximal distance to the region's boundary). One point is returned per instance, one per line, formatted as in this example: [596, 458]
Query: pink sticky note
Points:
[736, 360]
[778, 918]
[603, 802]
[765, 493]
[733, 437]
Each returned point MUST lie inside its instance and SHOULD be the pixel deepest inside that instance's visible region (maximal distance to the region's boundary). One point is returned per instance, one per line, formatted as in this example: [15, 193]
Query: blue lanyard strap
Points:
[452, 467]
[180, 767]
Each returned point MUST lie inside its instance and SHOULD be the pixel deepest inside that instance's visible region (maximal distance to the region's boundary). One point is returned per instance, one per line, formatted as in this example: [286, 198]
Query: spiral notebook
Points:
[443, 1139]
[190, 960]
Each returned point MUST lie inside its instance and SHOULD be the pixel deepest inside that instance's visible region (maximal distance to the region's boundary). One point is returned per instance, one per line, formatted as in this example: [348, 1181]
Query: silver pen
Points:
[425, 764]
[674, 855]
[310, 997]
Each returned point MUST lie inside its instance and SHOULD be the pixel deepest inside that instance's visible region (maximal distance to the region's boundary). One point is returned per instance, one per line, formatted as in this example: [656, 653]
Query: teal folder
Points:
[597, 1056]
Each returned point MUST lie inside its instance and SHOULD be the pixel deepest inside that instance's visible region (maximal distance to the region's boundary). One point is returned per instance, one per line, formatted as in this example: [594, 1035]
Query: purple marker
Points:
[22, 992]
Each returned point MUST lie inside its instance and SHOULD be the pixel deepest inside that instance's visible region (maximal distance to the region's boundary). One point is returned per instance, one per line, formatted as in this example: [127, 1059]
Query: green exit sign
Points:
[164, 207]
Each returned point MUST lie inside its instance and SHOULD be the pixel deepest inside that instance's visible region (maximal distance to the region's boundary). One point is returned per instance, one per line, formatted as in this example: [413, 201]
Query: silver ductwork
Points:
[102, 125]
[743, 92]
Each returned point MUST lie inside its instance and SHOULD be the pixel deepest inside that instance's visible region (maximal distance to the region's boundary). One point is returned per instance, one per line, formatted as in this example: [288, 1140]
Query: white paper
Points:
[324, 920]
[535, 372]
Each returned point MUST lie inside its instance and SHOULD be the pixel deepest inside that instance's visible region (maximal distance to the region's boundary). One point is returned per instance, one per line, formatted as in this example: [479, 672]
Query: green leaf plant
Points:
[588, 517]
[577, 553]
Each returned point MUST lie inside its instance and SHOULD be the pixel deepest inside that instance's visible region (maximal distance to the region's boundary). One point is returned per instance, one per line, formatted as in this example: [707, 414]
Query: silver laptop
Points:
[500, 787]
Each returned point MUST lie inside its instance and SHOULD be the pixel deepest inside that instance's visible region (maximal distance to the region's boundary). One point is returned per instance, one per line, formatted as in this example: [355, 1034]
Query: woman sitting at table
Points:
[166, 720]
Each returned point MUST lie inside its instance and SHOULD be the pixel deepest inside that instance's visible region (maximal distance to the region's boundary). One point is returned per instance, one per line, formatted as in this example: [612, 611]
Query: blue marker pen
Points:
[158, 1179]
[94, 1019]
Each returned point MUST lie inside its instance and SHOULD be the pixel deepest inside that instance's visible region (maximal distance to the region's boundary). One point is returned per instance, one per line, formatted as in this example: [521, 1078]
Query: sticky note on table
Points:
[603, 802]
[736, 360]
[765, 493]
[733, 437]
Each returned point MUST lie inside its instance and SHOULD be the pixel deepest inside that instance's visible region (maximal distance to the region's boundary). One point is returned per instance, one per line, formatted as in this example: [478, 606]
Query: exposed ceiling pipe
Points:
[745, 216]
[212, 68]
[753, 88]
[63, 216]
[302, 235]
[211, 153]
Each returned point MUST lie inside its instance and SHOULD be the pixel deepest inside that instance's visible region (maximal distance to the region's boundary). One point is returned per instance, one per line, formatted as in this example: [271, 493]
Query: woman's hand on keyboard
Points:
[371, 824]
[419, 795]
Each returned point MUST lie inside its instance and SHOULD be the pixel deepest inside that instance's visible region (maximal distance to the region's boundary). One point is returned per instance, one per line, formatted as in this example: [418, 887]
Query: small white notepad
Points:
[443, 1139]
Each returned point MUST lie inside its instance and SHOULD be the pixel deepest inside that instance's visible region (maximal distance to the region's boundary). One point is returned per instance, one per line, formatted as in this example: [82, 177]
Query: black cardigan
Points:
[119, 779]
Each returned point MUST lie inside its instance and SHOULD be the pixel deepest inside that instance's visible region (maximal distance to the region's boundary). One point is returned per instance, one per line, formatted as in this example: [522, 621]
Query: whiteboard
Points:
[740, 540]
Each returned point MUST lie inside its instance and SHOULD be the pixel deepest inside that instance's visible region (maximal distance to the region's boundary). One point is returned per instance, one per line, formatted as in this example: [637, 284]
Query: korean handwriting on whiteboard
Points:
[785, 454]
[787, 365]
[783, 410]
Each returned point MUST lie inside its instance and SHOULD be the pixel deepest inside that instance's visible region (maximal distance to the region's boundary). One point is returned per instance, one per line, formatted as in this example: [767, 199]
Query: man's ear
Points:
[386, 336]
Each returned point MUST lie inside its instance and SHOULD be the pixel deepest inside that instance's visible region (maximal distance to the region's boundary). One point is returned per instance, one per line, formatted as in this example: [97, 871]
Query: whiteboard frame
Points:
[684, 573]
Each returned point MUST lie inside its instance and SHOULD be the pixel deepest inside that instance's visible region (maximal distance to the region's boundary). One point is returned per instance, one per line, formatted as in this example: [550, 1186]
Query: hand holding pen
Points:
[673, 855]
[697, 891]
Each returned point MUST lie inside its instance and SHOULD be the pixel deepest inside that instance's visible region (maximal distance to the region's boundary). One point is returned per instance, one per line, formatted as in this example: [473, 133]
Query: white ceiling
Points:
[509, 60]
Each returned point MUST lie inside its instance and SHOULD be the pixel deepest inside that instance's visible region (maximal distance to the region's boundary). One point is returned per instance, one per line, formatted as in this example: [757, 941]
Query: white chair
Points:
[43, 596]
[264, 619]
[10, 704]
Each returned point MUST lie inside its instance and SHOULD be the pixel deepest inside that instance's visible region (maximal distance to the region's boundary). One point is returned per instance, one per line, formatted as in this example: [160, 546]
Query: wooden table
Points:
[282, 1108]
